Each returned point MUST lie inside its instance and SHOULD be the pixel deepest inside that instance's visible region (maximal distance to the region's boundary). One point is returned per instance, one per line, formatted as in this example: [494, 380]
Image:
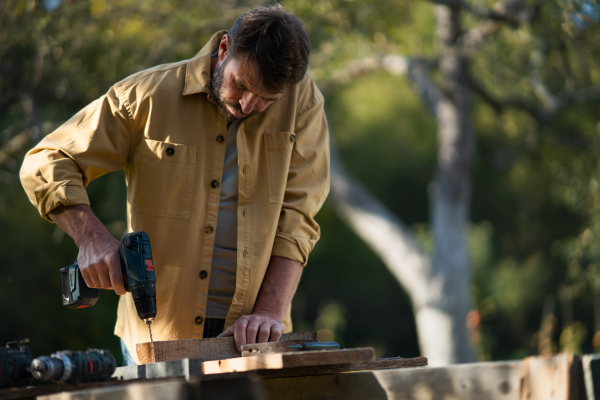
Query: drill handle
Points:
[75, 292]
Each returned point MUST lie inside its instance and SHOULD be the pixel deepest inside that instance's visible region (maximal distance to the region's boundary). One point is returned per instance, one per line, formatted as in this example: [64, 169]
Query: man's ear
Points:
[223, 47]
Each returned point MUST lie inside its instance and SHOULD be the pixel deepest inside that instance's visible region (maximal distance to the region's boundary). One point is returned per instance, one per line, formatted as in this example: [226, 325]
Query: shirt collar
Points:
[198, 74]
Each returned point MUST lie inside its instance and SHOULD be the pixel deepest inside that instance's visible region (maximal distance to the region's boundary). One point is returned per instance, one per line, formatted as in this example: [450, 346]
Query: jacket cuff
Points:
[291, 247]
[53, 195]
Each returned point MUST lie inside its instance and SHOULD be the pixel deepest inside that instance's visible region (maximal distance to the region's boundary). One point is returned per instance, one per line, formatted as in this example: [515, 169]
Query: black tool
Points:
[138, 276]
[15, 359]
[74, 366]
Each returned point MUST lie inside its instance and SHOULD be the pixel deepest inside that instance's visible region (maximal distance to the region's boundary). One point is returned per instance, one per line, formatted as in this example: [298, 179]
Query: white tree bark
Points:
[439, 285]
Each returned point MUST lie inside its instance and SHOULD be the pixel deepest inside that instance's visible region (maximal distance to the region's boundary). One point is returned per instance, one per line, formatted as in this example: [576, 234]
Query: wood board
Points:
[204, 349]
[193, 368]
[552, 378]
[284, 362]
[478, 381]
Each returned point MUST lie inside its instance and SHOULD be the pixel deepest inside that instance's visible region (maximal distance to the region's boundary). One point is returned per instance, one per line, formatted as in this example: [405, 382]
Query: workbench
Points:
[559, 377]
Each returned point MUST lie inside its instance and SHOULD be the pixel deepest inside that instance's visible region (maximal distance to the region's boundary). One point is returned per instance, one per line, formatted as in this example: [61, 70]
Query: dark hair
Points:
[276, 41]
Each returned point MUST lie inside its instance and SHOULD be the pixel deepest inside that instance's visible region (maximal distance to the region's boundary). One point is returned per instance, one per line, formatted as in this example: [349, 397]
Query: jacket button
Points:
[203, 274]
[170, 151]
[220, 139]
[199, 320]
[292, 138]
[214, 184]
[208, 228]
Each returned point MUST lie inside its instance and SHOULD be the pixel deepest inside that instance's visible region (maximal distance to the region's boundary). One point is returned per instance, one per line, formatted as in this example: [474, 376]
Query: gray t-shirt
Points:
[224, 261]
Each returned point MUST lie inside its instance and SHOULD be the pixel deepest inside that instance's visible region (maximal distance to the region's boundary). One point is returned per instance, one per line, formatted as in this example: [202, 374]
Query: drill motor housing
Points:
[15, 359]
[138, 276]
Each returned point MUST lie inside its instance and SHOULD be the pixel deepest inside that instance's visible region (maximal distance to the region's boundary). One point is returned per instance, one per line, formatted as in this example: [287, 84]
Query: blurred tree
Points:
[439, 285]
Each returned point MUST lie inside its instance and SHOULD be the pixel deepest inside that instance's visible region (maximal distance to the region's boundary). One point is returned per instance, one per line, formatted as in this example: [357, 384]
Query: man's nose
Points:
[248, 102]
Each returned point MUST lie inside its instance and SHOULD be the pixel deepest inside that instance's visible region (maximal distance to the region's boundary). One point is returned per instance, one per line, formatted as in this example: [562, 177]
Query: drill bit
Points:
[149, 322]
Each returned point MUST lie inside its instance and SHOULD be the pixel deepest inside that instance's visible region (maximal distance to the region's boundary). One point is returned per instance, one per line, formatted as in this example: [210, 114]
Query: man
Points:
[226, 160]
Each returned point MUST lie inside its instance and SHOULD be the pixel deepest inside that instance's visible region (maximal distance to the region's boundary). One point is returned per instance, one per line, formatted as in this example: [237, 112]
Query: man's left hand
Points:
[249, 329]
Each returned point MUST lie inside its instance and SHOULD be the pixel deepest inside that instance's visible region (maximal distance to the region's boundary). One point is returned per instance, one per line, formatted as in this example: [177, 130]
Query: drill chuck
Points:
[144, 298]
[48, 368]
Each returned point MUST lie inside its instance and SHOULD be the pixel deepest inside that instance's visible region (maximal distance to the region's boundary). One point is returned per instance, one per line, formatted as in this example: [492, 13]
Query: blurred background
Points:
[520, 81]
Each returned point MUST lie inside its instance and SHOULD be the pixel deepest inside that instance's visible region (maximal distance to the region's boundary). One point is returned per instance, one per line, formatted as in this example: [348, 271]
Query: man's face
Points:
[237, 91]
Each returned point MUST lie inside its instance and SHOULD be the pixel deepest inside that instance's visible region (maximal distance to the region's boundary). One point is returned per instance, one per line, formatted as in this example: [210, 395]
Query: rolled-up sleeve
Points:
[93, 142]
[307, 185]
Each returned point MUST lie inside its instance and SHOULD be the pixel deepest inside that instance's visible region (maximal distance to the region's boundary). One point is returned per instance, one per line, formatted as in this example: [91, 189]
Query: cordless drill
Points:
[74, 366]
[138, 277]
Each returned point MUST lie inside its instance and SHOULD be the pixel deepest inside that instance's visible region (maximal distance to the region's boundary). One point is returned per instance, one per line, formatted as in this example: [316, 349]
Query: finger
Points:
[276, 332]
[264, 332]
[89, 275]
[240, 332]
[252, 330]
[228, 332]
[104, 276]
[116, 278]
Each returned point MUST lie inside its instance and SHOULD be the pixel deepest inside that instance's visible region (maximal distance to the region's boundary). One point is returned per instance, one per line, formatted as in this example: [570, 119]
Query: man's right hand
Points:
[100, 264]
[98, 258]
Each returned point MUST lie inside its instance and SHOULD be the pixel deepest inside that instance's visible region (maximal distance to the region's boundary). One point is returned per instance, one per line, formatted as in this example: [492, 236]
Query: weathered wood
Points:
[205, 349]
[477, 381]
[190, 368]
[552, 378]
[285, 361]
[169, 389]
[591, 376]
[311, 370]
[383, 363]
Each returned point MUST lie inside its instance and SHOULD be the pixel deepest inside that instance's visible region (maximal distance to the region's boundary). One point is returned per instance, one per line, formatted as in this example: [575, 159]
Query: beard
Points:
[216, 83]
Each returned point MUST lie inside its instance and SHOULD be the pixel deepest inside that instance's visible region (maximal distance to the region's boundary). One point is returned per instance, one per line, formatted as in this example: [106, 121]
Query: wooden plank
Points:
[382, 363]
[552, 378]
[169, 389]
[285, 361]
[312, 370]
[205, 349]
[190, 368]
[477, 381]
[162, 389]
[591, 376]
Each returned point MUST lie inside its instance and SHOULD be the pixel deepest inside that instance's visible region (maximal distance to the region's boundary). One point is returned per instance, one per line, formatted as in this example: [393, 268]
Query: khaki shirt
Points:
[163, 129]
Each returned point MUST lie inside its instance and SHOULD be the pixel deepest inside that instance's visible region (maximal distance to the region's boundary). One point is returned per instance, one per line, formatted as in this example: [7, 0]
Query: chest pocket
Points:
[278, 148]
[165, 180]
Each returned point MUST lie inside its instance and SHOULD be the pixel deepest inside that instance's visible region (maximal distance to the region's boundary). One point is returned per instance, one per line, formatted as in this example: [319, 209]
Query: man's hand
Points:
[249, 329]
[98, 258]
[265, 324]
[100, 264]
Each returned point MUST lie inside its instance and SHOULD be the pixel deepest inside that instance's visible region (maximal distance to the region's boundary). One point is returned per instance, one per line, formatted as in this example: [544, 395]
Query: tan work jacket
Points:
[163, 129]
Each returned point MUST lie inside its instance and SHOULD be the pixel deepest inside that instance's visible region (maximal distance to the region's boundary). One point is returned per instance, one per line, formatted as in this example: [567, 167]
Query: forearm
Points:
[274, 298]
[80, 223]
[98, 257]
[278, 287]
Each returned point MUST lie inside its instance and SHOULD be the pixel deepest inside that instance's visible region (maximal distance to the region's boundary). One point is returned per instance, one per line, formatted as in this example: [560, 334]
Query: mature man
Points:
[227, 162]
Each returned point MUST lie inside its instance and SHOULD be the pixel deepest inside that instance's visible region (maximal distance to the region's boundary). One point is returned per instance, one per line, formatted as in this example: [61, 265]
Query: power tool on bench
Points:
[138, 276]
[69, 366]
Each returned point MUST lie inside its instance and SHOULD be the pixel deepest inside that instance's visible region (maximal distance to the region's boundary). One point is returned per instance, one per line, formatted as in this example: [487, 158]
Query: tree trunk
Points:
[448, 297]
[438, 286]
